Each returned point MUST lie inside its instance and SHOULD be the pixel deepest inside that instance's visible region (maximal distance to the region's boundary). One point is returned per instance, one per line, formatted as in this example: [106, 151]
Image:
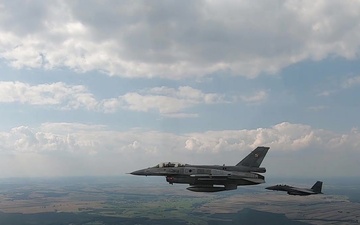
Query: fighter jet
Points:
[315, 189]
[212, 178]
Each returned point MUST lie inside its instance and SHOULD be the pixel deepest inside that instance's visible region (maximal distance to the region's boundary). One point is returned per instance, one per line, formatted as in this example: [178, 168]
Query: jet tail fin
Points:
[255, 158]
[317, 187]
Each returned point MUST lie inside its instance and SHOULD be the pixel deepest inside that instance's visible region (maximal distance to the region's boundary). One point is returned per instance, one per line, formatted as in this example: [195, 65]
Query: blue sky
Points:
[103, 88]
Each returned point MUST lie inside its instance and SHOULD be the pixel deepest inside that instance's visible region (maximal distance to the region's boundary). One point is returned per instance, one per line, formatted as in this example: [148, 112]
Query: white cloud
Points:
[60, 94]
[282, 137]
[258, 97]
[188, 93]
[89, 149]
[350, 82]
[176, 39]
[164, 104]
[168, 102]
[341, 85]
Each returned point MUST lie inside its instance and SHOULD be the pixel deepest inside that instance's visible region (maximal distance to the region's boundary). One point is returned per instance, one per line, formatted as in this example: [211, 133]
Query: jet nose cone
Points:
[270, 188]
[139, 172]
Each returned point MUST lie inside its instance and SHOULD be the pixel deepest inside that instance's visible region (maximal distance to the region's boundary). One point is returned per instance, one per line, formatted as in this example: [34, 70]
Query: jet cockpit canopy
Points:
[169, 164]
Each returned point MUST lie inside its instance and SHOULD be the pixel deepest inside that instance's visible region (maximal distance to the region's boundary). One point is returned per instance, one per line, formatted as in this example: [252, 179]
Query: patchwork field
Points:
[130, 201]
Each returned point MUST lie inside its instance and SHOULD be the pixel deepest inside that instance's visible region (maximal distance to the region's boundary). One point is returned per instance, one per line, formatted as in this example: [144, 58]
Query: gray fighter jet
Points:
[212, 178]
[315, 189]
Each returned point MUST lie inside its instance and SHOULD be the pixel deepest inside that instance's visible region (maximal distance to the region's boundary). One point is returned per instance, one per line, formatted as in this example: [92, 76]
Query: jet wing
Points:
[254, 180]
[208, 177]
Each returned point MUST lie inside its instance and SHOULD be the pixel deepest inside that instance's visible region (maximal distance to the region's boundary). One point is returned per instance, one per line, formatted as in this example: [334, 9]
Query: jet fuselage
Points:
[315, 189]
[202, 178]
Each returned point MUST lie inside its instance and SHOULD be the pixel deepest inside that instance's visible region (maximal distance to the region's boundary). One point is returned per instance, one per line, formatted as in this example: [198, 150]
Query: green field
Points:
[120, 200]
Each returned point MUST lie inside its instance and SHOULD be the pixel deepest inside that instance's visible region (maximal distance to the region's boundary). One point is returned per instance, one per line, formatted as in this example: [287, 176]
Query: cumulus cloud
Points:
[74, 138]
[293, 146]
[282, 137]
[175, 39]
[61, 94]
[170, 102]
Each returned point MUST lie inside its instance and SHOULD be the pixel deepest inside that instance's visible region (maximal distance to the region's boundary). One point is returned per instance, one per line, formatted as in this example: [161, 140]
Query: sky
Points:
[103, 88]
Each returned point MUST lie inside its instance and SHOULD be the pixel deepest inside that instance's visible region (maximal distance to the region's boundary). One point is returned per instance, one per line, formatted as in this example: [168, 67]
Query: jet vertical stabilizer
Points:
[317, 187]
[255, 158]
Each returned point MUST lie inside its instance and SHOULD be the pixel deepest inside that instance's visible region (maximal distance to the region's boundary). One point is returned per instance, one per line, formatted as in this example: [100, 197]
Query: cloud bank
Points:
[80, 149]
[175, 39]
[169, 102]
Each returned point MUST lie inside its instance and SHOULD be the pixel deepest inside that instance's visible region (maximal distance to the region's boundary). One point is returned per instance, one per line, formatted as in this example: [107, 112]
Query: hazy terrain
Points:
[145, 200]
